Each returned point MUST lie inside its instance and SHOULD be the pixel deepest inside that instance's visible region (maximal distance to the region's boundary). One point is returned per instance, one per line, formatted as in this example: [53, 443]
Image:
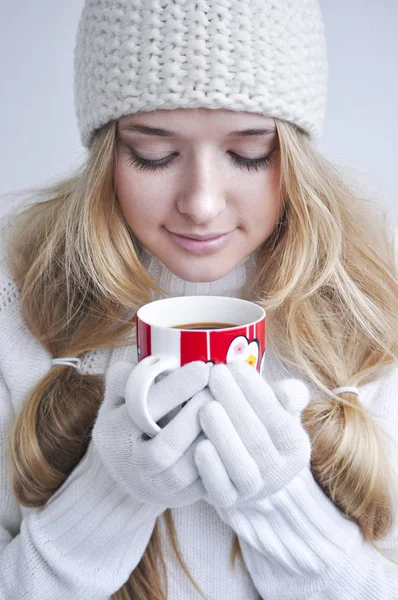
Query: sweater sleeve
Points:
[83, 543]
[298, 545]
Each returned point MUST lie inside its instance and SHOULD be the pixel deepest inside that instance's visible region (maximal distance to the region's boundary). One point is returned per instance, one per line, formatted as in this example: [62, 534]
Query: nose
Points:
[202, 196]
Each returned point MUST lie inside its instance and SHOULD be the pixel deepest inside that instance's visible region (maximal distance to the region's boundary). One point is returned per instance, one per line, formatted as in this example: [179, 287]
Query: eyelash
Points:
[254, 164]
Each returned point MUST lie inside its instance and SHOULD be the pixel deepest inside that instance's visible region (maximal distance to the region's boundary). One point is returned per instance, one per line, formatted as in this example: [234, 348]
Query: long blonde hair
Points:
[326, 277]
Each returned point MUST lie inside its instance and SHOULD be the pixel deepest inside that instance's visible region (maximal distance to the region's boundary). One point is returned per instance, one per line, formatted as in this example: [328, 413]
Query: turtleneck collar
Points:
[234, 284]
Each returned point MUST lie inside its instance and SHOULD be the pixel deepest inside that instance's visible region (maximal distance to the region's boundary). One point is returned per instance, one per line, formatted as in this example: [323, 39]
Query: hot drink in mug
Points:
[176, 331]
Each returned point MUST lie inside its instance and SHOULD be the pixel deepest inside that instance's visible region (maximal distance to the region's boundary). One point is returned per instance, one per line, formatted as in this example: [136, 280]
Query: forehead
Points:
[197, 122]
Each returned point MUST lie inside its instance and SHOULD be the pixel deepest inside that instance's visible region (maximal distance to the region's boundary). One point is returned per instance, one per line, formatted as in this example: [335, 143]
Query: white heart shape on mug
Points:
[241, 349]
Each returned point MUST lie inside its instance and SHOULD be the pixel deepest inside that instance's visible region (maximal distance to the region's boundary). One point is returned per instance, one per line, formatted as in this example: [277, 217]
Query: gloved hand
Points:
[255, 447]
[255, 466]
[161, 470]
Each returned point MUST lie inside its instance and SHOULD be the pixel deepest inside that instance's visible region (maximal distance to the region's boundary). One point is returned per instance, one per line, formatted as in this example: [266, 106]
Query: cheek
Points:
[262, 204]
[140, 203]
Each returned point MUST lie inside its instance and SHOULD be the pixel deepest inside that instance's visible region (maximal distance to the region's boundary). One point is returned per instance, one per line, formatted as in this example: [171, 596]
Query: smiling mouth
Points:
[200, 238]
[200, 245]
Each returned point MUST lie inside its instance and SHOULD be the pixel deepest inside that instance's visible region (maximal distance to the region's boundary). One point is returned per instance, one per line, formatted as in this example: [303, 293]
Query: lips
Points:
[208, 244]
[200, 238]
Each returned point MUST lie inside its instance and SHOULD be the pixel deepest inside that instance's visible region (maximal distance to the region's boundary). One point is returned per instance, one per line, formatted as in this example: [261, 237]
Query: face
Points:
[199, 188]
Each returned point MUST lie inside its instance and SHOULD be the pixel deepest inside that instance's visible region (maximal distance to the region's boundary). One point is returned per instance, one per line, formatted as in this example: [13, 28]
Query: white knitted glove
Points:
[255, 466]
[161, 470]
[254, 446]
[94, 530]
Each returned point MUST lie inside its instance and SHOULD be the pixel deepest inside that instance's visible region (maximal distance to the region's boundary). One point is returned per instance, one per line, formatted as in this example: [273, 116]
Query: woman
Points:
[200, 120]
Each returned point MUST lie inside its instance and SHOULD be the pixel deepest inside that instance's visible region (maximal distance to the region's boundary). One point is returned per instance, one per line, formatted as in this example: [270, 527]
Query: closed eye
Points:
[255, 164]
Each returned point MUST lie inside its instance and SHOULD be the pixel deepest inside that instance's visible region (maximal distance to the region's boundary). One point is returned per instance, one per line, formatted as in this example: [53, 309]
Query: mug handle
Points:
[140, 380]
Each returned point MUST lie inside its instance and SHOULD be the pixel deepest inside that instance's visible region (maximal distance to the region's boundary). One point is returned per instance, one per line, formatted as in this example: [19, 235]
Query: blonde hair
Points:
[326, 277]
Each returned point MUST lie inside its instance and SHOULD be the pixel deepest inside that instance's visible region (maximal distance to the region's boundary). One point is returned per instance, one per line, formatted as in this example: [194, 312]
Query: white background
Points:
[40, 140]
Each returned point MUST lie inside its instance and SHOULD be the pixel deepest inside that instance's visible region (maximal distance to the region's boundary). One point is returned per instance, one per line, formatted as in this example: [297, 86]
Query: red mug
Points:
[176, 331]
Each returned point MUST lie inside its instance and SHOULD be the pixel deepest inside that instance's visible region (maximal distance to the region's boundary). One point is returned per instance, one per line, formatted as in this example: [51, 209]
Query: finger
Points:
[246, 422]
[178, 387]
[219, 488]
[161, 452]
[293, 394]
[282, 428]
[182, 479]
[188, 495]
[241, 467]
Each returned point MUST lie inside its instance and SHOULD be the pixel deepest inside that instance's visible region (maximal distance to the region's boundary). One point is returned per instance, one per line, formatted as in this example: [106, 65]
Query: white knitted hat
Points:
[262, 56]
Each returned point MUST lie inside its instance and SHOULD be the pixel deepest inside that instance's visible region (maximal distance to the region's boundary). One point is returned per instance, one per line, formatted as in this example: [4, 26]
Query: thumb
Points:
[293, 394]
[176, 388]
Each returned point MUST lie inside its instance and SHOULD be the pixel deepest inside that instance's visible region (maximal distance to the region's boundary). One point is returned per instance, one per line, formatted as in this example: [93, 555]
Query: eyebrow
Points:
[164, 133]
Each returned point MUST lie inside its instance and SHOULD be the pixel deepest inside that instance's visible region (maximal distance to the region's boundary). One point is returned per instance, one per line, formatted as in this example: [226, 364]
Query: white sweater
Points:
[82, 545]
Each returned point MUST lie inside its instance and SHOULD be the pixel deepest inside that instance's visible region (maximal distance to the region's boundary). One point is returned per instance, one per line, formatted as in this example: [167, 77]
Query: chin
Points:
[198, 271]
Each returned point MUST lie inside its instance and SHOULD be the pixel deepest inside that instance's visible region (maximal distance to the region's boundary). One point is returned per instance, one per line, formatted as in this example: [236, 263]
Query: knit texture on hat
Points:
[262, 56]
